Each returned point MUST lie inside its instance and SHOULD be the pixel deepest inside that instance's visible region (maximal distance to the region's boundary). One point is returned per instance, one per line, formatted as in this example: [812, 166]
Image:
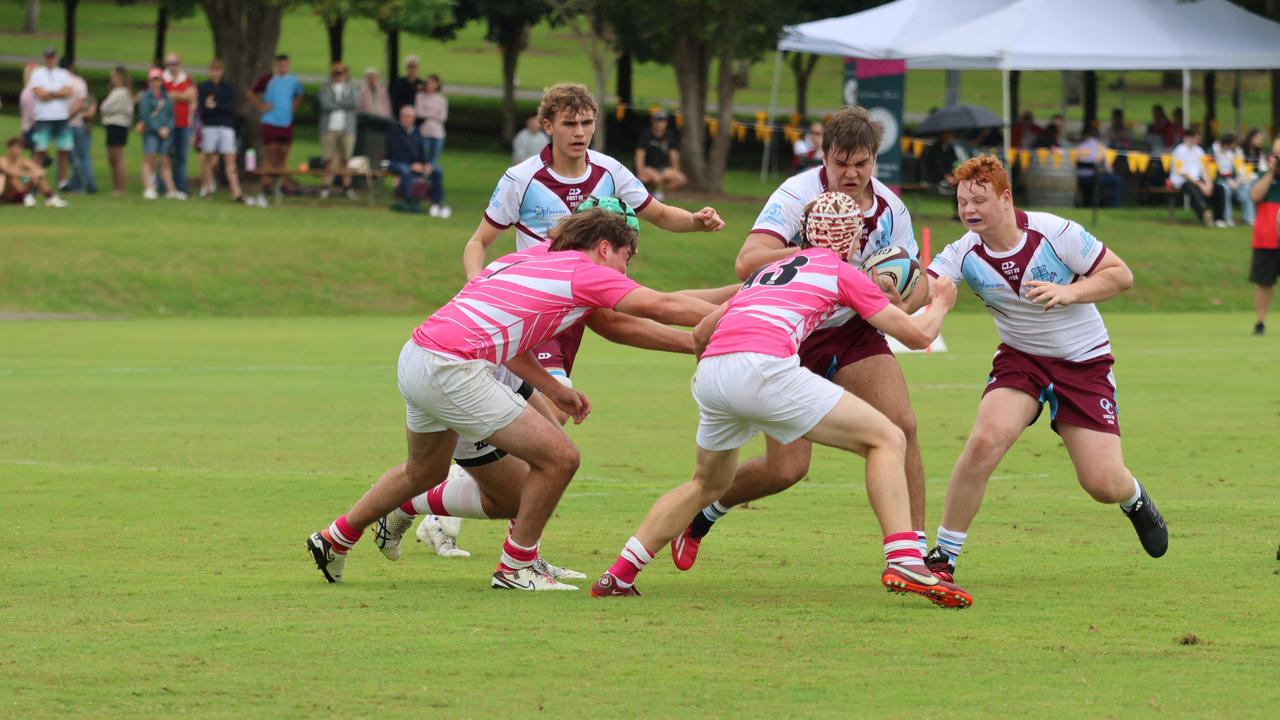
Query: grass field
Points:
[111, 32]
[159, 477]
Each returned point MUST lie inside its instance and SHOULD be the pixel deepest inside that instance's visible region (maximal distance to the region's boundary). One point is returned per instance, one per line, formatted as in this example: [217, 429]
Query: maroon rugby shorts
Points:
[826, 351]
[1078, 393]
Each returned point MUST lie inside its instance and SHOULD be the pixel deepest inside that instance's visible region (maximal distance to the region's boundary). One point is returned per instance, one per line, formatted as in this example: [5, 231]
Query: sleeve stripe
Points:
[648, 199]
[495, 223]
[1094, 266]
[766, 231]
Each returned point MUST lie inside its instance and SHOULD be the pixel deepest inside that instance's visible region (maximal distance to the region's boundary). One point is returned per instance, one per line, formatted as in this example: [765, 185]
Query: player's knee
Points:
[423, 476]
[1107, 485]
[891, 437]
[988, 442]
[788, 471]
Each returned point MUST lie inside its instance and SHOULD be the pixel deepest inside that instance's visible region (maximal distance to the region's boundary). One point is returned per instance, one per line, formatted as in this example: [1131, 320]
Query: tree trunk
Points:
[335, 28]
[726, 85]
[245, 33]
[802, 65]
[512, 41]
[624, 78]
[1210, 105]
[32, 20]
[393, 56]
[692, 62]
[69, 40]
[162, 29]
[1090, 98]
[600, 64]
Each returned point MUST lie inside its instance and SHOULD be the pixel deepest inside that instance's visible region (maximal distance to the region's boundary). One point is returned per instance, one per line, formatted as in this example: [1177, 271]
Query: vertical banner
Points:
[878, 85]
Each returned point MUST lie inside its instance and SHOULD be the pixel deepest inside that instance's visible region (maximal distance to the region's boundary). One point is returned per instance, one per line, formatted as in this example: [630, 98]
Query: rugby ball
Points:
[898, 264]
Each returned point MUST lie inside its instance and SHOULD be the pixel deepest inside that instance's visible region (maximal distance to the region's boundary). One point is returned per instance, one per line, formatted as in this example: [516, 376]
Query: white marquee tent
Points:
[1047, 35]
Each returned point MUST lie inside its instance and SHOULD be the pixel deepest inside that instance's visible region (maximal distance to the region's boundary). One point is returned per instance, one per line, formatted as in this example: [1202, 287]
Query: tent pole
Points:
[1186, 99]
[1008, 124]
[773, 110]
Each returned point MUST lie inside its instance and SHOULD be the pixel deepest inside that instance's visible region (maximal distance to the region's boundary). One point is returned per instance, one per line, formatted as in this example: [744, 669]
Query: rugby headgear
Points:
[612, 204]
[833, 221]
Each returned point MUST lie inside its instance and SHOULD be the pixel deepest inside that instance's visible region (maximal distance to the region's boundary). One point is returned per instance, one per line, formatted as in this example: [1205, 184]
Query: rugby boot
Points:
[607, 586]
[1149, 525]
[684, 549]
[942, 593]
[329, 562]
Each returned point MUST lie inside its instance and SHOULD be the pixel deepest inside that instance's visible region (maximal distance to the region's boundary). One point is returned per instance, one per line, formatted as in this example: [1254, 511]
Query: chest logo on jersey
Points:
[1011, 270]
[1044, 274]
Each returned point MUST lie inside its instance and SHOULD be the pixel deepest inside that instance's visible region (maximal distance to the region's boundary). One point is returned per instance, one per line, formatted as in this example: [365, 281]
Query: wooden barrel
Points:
[1049, 186]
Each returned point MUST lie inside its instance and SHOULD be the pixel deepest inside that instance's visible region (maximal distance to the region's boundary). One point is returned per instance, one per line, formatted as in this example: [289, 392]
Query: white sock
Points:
[1137, 493]
[951, 543]
[923, 541]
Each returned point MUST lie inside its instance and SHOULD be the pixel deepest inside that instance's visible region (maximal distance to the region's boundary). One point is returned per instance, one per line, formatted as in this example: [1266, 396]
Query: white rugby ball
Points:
[898, 264]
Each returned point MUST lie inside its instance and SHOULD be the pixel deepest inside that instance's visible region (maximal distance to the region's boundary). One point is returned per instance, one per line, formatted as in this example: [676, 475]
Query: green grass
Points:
[158, 478]
[108, 31]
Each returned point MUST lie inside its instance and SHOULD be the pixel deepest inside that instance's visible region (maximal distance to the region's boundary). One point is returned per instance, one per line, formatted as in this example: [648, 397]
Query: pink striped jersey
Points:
[520, 301]
[781, 303]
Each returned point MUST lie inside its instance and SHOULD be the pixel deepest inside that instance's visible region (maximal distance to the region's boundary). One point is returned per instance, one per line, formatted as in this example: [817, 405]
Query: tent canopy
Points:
[1048, 35]
[878, 33]
[1103, 35]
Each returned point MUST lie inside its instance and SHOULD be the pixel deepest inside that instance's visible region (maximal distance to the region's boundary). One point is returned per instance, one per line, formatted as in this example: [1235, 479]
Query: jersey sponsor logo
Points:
[542, 212]
[544, 356]
[1044, 274]
[1087, 241]
[773, 214]
[1010, 269]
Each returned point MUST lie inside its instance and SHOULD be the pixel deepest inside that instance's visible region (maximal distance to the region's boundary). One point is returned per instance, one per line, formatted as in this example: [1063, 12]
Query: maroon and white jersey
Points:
[520, 301]
[886, 223]
[1052, 249]
[533, 197]
[783, 302]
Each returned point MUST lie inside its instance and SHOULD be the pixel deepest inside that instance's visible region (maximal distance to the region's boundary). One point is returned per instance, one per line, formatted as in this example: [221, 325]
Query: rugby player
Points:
[447, 376]
[749, 379]
[1039, 276]
[854, 354]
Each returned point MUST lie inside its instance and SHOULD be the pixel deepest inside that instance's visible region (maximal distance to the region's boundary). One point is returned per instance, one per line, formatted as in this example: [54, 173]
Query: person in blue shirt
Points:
[276, 97]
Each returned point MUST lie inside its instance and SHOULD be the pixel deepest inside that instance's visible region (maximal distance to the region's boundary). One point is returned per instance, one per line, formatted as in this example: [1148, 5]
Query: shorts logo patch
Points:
[1108, 410]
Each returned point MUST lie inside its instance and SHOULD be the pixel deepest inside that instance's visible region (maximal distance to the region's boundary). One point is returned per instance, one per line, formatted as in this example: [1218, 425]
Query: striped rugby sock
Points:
[516, 556]
[342, 536]
[459, 496]
[903, 549]
[703, 521]
[630, 562]
[951, 542]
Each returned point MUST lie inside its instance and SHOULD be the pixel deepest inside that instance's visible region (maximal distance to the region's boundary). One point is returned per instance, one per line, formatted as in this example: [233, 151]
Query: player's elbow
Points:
[915, 339]
[744, 265]
[1124, 278]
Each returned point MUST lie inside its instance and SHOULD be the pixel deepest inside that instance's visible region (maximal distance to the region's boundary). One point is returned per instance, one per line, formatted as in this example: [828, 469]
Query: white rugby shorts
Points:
[443, 393]
[741, 394]
[472, 454]
[218, 139]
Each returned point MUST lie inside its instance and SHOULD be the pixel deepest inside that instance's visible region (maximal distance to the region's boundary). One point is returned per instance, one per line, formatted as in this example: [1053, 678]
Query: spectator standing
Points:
[1160, 132]
[276, 96]
[1117, 134]
[405, 87]
[338, 127]
[1188, 175]
[116, 112]
[216, 103]
[1266, 244]
[1255, 154]
[940, 162]
[182, 93]
[21, 177]
[807, 151]
[27, 107]
[1095, 174]
[1231, 177]
[405, 158]
[529, 141]
[374, 98]
[658, 157]
[52, 88]
[432, 110]
[155, 124]
[1025, 131]
[83, 108]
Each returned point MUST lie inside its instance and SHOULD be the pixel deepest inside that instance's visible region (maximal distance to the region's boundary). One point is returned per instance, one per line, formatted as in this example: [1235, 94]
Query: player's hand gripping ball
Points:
[833, 220]
[897, 264]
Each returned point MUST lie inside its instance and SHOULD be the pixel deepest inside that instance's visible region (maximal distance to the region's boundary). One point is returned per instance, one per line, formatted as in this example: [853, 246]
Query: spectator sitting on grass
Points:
[20, 177]
[405, 158]
[658, 157]
[155, 124]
